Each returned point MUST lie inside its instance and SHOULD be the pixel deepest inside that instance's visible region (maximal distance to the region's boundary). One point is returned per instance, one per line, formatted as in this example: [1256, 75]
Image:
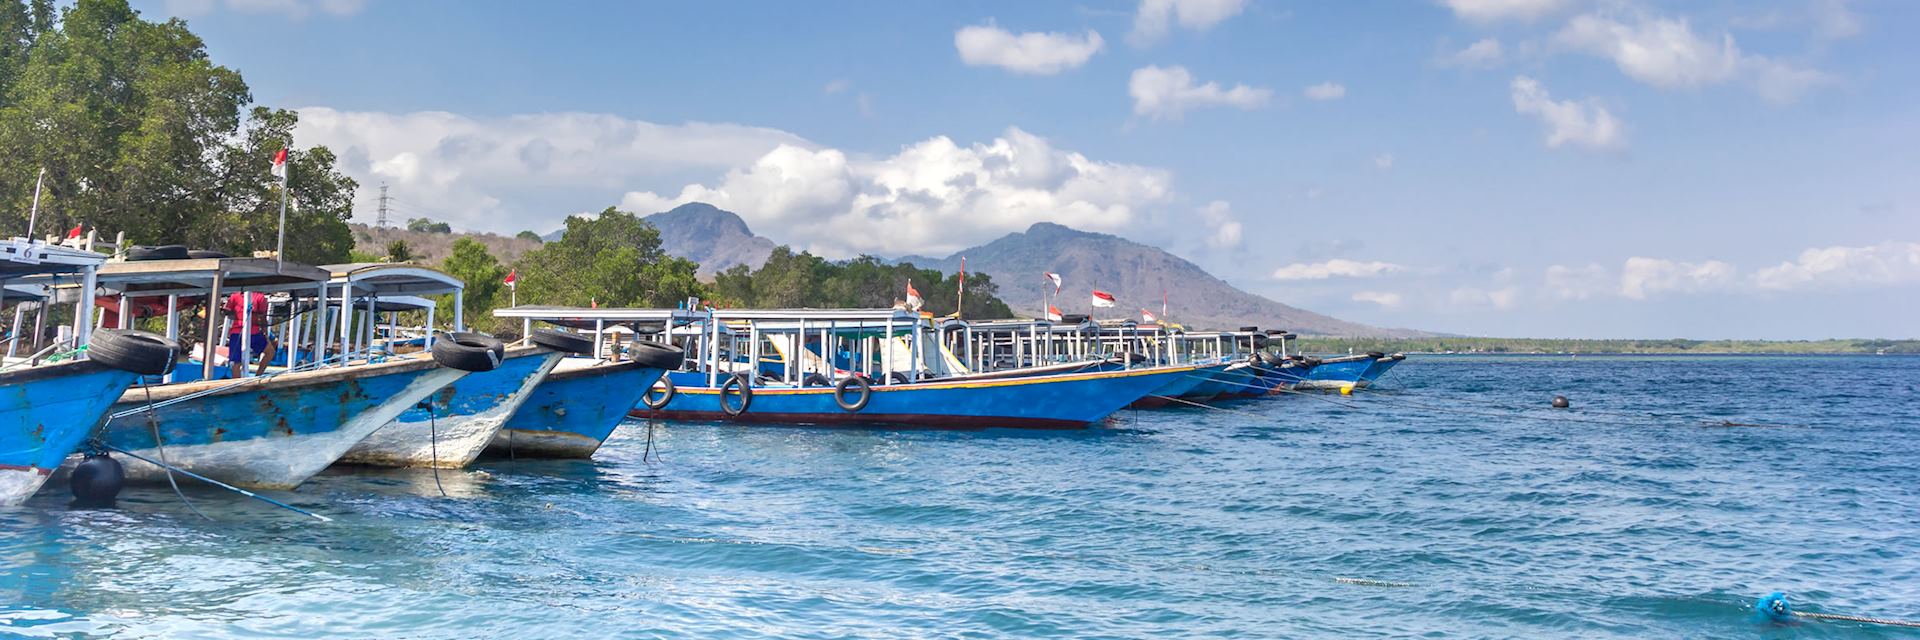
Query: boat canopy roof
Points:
[393, 303]
[22, 257]
[642, 320]
[197, 275]
[390, 279]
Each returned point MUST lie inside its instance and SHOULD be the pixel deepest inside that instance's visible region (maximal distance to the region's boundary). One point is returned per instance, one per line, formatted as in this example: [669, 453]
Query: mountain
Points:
[1136, 274]
[706, 234]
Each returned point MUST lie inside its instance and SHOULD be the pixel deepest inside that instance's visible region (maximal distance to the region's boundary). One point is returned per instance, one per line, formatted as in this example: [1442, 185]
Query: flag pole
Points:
[33, 218]
[962, 304]
[280, 246]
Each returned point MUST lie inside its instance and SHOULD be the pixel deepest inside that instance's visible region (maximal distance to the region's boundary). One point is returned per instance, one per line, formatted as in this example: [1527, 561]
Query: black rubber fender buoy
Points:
[898, 377]
[1561, 402]
[562, 341]
[1376, 354]
[850, 382]
[468, 351]
[815, 379]
[161, 252]
[738, 383]
[1250, 329]
[658, 355]
[143, 352]
[97, 480]
[665, 386]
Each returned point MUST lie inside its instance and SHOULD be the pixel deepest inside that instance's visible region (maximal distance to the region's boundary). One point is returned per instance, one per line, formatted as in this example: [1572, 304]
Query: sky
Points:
[1537, 168]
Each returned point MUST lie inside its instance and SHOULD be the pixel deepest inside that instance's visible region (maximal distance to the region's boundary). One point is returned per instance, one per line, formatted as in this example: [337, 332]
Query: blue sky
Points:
[1489, 167]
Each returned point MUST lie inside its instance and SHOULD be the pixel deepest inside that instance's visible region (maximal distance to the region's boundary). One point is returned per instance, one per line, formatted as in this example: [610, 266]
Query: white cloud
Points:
[1167, 93]
[1033, 52]
[1832, 19]
[1326, 91]
[1226, 229]
[1486, 52]
[1586, 124]
[1382, 298]
[290, 8]
[1383, 161]
[1579, 283]
[1641, 277]
[1890, 263]
[836, 86]
[1666, 53]
[1503, 298]
[1155, 17]
[932, 198]
[1335, 268]
[1498, 10]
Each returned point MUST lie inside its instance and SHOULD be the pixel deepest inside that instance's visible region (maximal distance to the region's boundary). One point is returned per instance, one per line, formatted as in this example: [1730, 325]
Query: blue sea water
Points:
[1449, 503]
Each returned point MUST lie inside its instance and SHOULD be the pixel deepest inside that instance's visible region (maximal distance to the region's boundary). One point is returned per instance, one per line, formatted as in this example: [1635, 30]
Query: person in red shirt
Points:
[261, 343]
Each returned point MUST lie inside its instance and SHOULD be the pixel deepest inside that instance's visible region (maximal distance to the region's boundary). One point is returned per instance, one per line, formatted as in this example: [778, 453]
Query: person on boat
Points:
[261, 344]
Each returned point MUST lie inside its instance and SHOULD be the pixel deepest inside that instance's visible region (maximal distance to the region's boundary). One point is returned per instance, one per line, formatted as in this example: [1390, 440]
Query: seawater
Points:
[1460, 503]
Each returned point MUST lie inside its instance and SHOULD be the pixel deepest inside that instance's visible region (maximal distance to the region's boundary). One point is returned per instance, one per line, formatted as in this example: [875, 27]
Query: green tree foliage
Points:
[398, 251]
[425, 225]
[141, 133]
[614, 258]
[484, 275]
[802, 280]
[528, 235]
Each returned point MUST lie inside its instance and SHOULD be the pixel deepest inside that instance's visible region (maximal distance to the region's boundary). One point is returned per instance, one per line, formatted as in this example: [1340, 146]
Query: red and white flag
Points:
[513, 278]
[1102, 298]
[1053, 313]
[76, 231]
[913, 297]
[1147, 316]
[280, 165]
[1055, 279]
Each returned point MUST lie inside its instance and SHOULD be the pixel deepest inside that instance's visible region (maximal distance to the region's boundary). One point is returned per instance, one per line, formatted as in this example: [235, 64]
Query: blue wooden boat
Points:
[575, 409]
[1379, 368]
[45, 412]
[459, 420]
[1188, 387]
[1343, 372]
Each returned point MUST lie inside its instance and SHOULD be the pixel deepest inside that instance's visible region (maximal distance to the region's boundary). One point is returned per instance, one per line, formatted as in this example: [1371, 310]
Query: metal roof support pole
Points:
[173, 327]
[213, 320]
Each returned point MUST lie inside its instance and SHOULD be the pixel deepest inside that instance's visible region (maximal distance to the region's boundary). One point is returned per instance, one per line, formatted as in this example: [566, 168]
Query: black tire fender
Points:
[562, 341]
[162, 252]
[658, 355]
[468, 351]
[740, 387]
[142, 352]
[667, 391]
[816, 379]
[840, 393]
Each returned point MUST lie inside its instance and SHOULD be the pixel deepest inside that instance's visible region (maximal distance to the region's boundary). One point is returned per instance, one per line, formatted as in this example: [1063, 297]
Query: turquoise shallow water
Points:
[1188, 522]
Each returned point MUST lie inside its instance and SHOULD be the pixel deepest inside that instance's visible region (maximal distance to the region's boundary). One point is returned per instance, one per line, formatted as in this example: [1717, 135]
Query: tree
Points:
[789, 279]
[613, 258]
[424, 225]
[528, 235]
[398, 251]
[471, 262]
[141, 133]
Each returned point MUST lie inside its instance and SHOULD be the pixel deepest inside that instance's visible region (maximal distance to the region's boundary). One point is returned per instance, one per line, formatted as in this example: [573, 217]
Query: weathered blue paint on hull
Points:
[464, 417]
[45, 412]
[1066, 401]
[276, 432]
[1378, 369]
[1337, 374]
[573, 411]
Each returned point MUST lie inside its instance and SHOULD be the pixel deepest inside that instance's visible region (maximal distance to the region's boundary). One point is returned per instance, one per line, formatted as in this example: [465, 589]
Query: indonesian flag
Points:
[76, 231]
[913, 297]
[513, 278]
[1055, 279]
[1102, 298]
[1147, 316]
[280, 164]
[963, 272]
[1053, 313]
[593, 303]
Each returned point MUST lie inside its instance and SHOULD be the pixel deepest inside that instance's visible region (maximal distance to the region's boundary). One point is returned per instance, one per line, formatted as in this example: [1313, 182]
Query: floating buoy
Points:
[97, 480]
[1774, 607]
[1561, 402]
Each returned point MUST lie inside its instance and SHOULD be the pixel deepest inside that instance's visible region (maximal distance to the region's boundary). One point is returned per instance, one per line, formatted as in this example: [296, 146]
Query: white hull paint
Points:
[458, 440]
[18, 484]
[284, 463]
[548, 444]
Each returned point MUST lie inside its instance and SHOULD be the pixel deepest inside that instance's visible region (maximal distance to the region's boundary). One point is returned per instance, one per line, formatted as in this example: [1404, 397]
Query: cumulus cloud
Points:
[1486, 52]
[1335, 268]
[1641, 277]
[1155, 17]
[1502, 298]
[1666, 53]
[1498, 10]
[1382, 298]
[1890, 263]
[1578, 283]
[1586, 124]
[1833, 19]
[1226, 229]
[933, 197]
[1032, 53]
[1166, 93]
[1326, 91]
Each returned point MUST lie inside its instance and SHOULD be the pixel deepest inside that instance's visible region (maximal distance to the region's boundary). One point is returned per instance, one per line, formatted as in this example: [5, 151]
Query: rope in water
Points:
[1846, 618]
[433, 444]
[217, 483]
[161, 447]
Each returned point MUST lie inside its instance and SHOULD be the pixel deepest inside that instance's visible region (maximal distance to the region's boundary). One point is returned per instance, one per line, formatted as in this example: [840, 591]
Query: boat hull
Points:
[1180, 388]
[274, 433]
[1066, 401]
[1379, 368]
[45, 413]
[1339, 373]
[574, 410]
[463, 418]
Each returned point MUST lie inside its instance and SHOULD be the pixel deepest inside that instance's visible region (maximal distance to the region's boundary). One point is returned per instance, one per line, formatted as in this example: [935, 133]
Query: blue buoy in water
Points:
[1774, 608]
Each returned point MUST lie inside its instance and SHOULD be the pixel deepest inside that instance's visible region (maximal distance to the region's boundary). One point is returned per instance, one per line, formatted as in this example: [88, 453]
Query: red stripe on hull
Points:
[867, 419]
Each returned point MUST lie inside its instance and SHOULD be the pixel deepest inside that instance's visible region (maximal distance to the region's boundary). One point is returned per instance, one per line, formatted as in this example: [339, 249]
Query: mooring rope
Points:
[218, 483]
[161, 447]
[433, 445]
